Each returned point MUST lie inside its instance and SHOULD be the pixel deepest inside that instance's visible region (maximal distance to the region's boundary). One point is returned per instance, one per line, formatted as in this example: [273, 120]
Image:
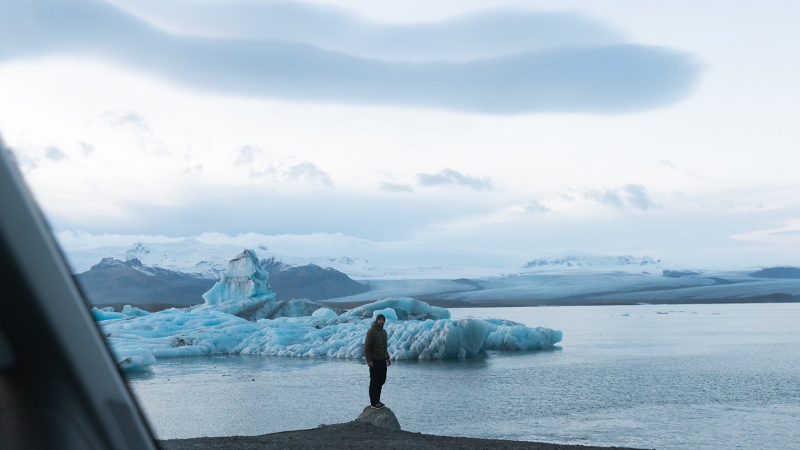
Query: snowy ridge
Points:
[204, 260]
[188, 256]
[594, 261]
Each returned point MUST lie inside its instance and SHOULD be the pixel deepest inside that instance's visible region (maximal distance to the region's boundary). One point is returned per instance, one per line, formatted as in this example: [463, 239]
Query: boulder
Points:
[381, 418]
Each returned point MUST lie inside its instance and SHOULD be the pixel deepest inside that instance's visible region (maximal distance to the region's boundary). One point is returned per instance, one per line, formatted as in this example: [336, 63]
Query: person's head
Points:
[380, 320]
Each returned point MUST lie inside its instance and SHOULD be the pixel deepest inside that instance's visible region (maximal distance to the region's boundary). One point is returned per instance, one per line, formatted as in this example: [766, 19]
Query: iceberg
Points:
[388, 314]
[240, 316]
[178, 333]
[106, 314]
[405, 308]
[137, 361]
[242, 286]
[130, 311]
[323, 312]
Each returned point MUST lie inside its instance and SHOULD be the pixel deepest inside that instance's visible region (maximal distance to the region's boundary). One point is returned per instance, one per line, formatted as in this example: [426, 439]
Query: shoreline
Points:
[360, 435]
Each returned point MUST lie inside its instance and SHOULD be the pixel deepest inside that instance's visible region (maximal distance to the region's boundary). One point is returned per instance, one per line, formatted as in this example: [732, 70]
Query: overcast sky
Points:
[501, 130]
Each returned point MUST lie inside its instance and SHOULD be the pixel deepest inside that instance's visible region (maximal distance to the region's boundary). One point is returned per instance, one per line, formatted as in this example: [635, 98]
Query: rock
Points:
[381, 418]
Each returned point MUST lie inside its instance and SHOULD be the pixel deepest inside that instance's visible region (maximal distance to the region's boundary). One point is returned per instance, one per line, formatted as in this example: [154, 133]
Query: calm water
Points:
[698, 377]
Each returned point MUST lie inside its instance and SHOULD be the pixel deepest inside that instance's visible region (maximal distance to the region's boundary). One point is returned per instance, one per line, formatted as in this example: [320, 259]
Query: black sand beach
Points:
[358, 435]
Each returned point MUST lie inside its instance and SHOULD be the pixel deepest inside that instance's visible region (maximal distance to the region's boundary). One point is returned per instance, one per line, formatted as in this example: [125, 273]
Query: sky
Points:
[463, 132]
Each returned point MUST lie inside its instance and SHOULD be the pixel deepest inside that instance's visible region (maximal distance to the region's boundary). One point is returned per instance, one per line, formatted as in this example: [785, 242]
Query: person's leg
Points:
[374, 388]
[380, 378]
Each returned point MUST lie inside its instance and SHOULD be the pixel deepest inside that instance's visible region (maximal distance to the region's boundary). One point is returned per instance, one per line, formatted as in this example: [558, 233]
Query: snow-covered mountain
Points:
[189, 256]
[204, 260]
[591, 261]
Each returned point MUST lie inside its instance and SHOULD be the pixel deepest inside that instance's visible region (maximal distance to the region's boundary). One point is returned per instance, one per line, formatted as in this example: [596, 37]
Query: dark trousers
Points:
[377, 377]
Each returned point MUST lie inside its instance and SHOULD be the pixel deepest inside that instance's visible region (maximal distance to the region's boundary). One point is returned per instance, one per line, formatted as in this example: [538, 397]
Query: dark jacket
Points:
[376, 344]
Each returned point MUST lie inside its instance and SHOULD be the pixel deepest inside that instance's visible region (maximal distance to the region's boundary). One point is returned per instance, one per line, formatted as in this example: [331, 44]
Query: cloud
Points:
[606, 197]
[88, 149]
[267, 169]
[634, 195]
[126, 119]
[669, 164]
[193, 169]
[637, 196]
[536, 207]
[240, 209]
[484, 34]
[451, 177]
[308, 173]
[54, 153]
[395, 187]
[790, 228]
[247, 155]
[785, 233]
[594, 74]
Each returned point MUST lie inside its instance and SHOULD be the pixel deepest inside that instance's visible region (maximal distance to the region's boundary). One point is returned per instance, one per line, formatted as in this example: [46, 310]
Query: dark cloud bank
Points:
[591, 74]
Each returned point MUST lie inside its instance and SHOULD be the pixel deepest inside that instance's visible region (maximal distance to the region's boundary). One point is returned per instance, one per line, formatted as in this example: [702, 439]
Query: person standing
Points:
[376, 352]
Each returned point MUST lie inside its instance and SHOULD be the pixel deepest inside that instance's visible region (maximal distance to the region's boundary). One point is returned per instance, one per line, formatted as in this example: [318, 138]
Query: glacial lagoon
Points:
[649, 376]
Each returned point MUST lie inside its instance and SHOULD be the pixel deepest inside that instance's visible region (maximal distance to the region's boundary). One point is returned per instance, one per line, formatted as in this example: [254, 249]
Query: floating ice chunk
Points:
[242, 286]
[138, 361]
[441, 339]
[106, 314]
[520, 337]
[176, 332]
[405, 308]
[323, 312]
[133, 311]
[626, 315]
[388, 313]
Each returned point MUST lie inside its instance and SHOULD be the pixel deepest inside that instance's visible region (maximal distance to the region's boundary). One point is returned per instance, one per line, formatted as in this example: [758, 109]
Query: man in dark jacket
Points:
[376, 352]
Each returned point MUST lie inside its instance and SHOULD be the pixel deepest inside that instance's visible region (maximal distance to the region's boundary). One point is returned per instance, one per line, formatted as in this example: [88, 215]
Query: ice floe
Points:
[240, 316]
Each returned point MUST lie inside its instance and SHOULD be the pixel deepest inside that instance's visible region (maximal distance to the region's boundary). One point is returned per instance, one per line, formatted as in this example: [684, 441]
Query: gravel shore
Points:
[361, 436]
